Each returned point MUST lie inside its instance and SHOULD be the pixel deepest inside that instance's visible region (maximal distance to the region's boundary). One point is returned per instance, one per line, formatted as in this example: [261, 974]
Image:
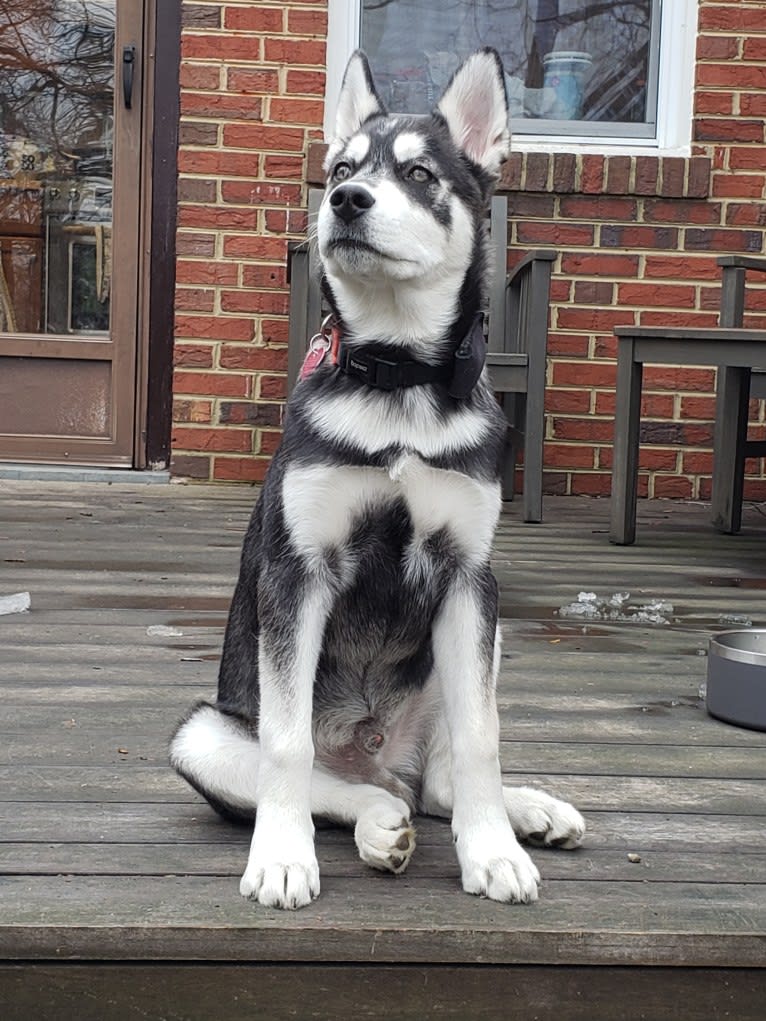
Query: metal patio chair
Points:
[731, 417]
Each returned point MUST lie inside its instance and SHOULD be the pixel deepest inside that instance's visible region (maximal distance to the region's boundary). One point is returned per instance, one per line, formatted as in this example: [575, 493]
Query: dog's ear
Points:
[358, 98]
[475, 107]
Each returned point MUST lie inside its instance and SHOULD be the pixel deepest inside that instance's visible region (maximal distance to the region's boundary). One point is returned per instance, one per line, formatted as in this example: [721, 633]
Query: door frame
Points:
[159, 214]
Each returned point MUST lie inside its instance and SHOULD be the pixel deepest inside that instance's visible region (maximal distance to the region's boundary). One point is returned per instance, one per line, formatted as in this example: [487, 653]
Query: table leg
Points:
[627, 421]
[730, 436]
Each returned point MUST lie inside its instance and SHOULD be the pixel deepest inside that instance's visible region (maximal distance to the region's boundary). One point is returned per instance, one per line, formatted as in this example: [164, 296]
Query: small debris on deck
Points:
[617, 607]
[19, 602]
[737, 619]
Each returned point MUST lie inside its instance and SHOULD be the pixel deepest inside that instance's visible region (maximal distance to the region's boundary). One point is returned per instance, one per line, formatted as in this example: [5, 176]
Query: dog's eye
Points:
[420, 175]
[341, 171]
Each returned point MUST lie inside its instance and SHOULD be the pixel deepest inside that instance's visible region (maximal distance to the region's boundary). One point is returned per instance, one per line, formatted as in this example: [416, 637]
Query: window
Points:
[618, 71]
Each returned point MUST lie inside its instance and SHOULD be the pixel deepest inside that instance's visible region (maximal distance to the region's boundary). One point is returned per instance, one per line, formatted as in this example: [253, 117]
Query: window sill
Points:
[583, 145]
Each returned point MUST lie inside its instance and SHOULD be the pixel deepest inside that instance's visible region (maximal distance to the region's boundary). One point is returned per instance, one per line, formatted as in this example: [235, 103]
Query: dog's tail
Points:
[218, 755]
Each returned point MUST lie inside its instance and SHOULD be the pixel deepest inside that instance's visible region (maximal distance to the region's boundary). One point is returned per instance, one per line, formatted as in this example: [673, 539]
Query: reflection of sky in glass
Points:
[56, 84]
[415, 45]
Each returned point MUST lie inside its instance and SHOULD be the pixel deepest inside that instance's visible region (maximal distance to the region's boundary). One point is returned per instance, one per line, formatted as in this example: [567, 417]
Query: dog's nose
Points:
[350, 200]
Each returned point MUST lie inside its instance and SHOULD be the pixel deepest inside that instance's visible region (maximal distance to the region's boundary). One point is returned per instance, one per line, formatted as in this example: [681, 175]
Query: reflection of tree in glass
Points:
[403, 35]
[56, 85]
[616, 89]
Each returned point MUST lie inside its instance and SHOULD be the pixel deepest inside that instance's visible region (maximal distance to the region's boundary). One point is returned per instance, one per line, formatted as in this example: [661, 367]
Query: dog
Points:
[357, 680]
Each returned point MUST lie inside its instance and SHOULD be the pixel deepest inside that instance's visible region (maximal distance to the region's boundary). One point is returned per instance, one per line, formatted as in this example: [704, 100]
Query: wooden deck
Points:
[118, 886]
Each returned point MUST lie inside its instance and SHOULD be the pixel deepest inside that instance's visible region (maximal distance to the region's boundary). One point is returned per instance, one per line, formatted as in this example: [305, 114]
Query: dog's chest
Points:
[325, 506]
[373, 423]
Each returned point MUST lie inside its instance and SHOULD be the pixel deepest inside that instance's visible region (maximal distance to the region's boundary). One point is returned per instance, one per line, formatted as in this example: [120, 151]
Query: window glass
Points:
[567, 61]
[56, 131]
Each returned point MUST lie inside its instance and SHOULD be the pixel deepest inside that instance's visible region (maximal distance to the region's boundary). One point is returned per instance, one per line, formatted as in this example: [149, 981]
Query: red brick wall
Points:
[252, 88]
[638, 237]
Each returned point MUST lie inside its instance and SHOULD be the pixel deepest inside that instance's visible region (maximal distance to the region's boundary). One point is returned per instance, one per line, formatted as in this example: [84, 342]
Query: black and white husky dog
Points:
[362, 648]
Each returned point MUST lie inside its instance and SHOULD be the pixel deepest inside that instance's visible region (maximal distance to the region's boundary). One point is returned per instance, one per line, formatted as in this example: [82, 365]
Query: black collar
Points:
[460, 375]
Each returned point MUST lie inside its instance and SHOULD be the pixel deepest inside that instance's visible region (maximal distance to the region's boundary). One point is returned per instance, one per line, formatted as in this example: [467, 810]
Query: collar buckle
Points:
[386, 374]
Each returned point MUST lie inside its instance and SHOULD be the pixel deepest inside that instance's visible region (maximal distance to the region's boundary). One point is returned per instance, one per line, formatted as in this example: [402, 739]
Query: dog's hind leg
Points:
[220, 758]
[218, 755]
[383, 832]
[543, 820]
[535, 816]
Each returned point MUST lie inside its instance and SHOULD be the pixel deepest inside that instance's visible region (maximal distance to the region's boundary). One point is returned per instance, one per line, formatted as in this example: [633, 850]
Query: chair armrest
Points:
[514, 359]
[758, 265]
[537, 255]
[734, 270]
[508, 372]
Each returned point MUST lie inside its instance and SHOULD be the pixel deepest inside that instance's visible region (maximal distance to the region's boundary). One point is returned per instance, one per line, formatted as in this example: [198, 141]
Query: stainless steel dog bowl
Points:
[736, 677]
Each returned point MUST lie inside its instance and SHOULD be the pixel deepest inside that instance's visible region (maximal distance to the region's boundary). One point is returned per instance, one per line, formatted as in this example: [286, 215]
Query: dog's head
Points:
[407, 194]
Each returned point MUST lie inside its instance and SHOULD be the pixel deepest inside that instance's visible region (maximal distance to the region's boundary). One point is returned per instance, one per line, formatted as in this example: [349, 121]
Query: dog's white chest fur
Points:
[323, 503]
[370, 421]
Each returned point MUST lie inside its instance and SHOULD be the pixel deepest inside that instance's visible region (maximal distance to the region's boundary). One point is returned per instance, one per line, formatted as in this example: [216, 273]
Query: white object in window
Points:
[579, 77]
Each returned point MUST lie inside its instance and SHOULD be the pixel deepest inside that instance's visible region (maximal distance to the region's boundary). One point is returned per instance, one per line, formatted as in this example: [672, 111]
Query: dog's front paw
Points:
[282, 870]
[384, 836]
[498, 869]
[543, 820]
[278, 885]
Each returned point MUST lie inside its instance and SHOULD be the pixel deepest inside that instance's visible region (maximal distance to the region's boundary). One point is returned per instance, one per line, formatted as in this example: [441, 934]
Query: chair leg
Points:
[533, 464]
[627, 422]
[509, 404]
[298, 334]
[732, 396]
[508, 480]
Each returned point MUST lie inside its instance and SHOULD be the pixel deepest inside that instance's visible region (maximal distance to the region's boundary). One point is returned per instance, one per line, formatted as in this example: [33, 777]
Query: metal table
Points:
[734, 349]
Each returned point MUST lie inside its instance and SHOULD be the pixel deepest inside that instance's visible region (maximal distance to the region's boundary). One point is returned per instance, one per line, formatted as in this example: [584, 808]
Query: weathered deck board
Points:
[612, 722]
[339, 859]
[189, 823]
[144, 783]
[172, 918]
[345, 993]
[106, 856]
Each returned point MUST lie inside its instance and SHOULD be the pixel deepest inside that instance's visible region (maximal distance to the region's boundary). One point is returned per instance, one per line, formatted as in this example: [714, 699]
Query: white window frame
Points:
[675, 87]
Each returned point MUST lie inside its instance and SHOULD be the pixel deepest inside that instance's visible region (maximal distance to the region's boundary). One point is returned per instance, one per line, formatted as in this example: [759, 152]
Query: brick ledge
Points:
[586, 174]
[591, 174]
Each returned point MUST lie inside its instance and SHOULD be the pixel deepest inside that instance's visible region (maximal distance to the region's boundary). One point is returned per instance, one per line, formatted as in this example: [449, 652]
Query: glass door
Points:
[70, 161]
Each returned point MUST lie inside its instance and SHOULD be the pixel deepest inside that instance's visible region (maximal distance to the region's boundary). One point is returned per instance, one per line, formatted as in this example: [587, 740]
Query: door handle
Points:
[128, 67]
